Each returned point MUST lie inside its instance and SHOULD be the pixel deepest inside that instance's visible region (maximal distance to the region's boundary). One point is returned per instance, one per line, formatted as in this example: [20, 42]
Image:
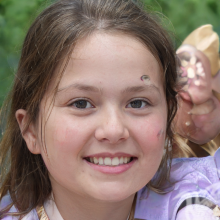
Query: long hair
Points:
[49, 43]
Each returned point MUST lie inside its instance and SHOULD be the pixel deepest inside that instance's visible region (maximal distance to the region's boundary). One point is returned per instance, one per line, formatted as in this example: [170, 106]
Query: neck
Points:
[74, 206]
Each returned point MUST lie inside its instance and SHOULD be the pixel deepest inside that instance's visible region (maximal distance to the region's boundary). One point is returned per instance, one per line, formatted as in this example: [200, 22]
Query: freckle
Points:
[160, 133]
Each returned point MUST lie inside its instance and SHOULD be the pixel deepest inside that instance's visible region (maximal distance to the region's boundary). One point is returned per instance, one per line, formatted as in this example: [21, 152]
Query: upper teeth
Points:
[107, 161]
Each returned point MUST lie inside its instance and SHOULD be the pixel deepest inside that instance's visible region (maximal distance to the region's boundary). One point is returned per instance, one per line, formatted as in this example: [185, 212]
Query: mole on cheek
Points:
[146, 79]
[160, 133]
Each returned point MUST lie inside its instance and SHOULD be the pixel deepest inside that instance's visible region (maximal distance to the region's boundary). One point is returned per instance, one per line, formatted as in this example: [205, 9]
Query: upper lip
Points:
[106, 154]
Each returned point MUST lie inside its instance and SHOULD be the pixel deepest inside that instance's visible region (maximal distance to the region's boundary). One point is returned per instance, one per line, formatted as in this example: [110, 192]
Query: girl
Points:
[90, 118]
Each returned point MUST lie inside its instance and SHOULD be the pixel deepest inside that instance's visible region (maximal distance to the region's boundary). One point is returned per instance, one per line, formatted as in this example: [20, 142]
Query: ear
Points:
[30, 134]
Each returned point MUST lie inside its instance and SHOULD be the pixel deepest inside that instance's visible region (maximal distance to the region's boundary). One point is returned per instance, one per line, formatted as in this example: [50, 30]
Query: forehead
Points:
[112, 58]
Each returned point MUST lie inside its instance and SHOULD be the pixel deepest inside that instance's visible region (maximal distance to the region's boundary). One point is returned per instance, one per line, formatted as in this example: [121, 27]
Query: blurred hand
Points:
[198, 123]
[198, 116]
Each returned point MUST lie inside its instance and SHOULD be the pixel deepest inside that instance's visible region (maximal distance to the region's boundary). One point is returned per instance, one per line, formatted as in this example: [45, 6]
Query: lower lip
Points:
[112, 170]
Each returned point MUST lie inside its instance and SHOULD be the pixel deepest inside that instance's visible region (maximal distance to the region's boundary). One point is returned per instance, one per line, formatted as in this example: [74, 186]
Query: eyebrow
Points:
[130, 89]
[82, 87]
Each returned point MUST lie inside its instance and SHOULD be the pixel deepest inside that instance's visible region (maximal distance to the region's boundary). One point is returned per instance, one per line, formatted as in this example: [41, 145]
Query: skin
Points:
[160, 134]
[109, 124]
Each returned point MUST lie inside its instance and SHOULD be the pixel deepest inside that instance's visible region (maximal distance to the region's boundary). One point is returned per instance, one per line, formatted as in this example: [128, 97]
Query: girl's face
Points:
[104, 113]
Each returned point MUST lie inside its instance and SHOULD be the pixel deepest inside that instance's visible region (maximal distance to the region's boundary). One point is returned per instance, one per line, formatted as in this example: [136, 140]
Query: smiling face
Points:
[105, 114]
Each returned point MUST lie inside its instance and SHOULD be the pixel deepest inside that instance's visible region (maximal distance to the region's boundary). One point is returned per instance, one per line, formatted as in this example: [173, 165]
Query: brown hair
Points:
[49, 41]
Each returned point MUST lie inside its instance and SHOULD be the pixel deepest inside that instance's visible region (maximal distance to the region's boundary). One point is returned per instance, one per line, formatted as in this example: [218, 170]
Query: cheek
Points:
[151, 139]
[152, 142]
[65, 140]
[160, 134]
[66, 136]
[150, 135]
[152, 130]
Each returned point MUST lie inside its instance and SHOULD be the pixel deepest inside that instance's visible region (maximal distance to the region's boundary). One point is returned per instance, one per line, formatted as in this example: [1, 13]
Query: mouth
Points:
[110, 162]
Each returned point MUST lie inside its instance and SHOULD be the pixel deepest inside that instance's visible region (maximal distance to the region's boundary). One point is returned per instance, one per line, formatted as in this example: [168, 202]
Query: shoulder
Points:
[199, 168]
[32, 215]
[189, 177]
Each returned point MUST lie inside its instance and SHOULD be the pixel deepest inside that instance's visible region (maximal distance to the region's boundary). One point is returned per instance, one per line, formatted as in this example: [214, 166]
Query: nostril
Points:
[112, 135]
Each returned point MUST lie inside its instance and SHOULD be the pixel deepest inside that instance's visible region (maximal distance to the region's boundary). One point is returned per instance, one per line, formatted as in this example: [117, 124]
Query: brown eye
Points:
[82, 104]
[137, 104]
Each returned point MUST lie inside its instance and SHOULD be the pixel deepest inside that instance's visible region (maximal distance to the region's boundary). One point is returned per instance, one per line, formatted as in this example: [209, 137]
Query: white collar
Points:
[52, 210]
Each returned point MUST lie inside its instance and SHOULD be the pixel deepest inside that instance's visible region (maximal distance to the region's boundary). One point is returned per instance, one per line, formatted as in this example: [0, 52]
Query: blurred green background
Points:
[180, 16]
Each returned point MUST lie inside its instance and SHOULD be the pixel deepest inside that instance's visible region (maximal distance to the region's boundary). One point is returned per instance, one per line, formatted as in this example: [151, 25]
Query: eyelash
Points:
[77, 101]
[87, 101]
[143, 101]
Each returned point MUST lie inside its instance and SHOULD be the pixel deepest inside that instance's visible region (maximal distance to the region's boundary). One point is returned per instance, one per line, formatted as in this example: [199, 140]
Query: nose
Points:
[112, 128]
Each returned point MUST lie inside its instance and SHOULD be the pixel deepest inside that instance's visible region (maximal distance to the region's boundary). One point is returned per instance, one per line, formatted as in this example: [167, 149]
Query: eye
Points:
[137, 104]
[82, 103]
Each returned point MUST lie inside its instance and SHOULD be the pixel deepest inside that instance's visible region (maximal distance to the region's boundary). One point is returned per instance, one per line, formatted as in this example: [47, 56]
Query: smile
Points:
[107, 161]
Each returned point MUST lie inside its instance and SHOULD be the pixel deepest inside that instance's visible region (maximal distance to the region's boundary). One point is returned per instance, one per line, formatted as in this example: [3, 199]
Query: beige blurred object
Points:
[206, 40]
[216, 211]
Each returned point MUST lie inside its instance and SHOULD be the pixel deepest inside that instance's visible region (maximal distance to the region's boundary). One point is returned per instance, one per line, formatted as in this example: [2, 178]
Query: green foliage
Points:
[180, 16]
[15, 18]
[183, 16]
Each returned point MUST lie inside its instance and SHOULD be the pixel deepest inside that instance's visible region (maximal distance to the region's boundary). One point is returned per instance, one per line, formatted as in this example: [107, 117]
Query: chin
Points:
[113, 198]
[113, 193]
